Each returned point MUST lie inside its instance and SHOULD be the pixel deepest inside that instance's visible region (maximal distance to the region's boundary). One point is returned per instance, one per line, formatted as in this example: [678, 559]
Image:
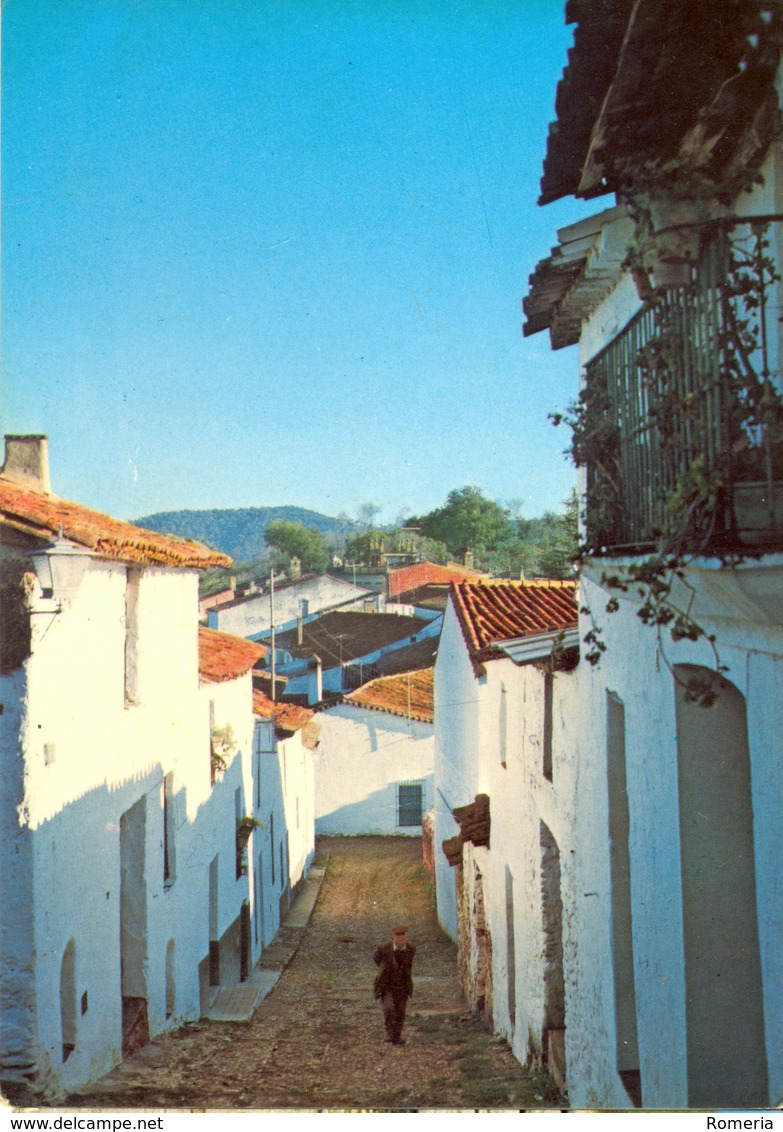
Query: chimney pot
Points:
[27, 462]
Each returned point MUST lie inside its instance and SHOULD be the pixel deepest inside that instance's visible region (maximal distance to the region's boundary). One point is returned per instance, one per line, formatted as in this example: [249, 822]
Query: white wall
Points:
[88, 758]
[253, 617]
[284, 804]
[636, 670]
[459, 695]
[361, 758]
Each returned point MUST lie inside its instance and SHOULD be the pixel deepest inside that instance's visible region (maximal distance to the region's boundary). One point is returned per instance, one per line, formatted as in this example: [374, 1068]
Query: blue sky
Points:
[258, 253]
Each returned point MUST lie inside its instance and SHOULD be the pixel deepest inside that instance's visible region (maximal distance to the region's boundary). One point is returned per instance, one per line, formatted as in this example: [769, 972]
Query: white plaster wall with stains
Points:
[95, 737]
[459, 695]
[362, 756]
[634, 671]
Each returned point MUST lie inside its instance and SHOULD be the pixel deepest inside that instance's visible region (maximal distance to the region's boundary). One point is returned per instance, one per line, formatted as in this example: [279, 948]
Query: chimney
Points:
[299, 633]
[27, 462]
[315, 691]
[295, 569]
[469, 560]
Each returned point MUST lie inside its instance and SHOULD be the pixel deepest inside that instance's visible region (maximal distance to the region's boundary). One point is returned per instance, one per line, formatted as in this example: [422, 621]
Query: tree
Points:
[366, 514]
[296, 540]
[562, 550]
[467, 521]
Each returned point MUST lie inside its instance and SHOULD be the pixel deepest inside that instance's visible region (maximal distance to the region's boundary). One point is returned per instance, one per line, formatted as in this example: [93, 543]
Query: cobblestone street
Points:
[316, 1041]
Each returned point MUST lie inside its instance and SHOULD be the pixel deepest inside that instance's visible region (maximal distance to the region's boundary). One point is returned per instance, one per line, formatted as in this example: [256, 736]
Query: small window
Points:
[547, 745]
[169, 828]
[409, 803]
[68, 1000]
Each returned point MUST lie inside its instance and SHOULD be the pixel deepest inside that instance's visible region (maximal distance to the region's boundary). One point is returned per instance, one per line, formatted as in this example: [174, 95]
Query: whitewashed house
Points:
[674, 970]
[105, 772]
[339, 651]
[505, 699]
[295, 601]
[375, 760]
[224, 827]
[283, 845]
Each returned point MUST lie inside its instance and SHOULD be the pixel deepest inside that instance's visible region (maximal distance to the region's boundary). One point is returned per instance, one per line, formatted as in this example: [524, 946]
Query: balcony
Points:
[680, 422]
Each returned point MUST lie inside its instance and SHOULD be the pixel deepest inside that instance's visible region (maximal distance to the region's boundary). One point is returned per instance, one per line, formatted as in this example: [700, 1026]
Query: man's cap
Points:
[399, 929]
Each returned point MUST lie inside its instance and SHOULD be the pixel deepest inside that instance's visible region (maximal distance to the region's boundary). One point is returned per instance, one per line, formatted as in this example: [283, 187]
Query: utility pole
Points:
[272, 619]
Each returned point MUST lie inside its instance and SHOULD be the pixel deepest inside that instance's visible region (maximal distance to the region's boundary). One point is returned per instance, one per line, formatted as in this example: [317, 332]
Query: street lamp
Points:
[60, 568]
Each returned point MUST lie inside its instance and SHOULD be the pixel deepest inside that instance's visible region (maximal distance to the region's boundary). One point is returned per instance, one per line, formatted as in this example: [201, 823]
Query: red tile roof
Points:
[426, 573]
[409, 695]
[221, 656]
[286, 716]
[474, 825]
[493, 612]
[43, 516]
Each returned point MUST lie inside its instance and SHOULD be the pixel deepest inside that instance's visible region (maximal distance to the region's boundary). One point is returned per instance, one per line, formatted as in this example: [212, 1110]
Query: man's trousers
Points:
[394, 1004]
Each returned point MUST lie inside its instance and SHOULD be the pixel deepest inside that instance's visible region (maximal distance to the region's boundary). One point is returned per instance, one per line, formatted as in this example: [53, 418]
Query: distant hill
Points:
[240, 532]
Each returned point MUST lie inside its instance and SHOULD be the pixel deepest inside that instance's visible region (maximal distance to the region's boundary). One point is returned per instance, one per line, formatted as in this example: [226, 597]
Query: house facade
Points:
[105, 772]
[295, 600]
[283, 845]
[674, 994]
[375, 759]
[136, 806]
[505, 702]
[223, 827]
[339, 651]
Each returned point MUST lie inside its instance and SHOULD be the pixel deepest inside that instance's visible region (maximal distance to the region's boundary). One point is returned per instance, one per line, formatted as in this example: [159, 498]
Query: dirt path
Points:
[316, 1041]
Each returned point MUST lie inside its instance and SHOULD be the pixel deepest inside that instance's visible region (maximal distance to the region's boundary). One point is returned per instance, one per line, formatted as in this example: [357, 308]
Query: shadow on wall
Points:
[381, 812]
[123, 921]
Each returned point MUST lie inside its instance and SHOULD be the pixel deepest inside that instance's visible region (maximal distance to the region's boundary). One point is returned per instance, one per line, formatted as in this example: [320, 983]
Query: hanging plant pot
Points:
[670, 250]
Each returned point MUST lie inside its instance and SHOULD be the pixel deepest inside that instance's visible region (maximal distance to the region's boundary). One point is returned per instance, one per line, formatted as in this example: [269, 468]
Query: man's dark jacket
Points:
[395, 973]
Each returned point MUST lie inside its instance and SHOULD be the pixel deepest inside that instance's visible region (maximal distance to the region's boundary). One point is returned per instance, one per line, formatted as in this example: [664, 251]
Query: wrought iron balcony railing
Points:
[681, 415]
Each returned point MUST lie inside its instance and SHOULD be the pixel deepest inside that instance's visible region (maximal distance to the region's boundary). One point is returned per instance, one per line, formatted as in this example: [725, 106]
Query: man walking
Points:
[394, 981]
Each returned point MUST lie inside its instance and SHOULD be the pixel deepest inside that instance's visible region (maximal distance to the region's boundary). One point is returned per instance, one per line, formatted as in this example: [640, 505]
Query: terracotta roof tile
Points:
[43, 516]
[474, 825]
[409, 695]
[222, 656]
[286, 716]
[493, 612]
[426, 573]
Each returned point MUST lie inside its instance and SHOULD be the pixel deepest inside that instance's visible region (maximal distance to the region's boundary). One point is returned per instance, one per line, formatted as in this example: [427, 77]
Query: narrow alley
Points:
[316, 1040]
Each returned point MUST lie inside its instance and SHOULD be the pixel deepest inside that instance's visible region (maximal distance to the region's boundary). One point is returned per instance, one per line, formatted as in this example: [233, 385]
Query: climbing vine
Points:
[715, 415]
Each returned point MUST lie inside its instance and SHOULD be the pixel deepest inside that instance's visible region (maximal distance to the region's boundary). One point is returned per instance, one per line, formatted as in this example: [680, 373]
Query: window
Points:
[546, 768]
[409, 803]
[68, 1000]
[171, 988]
[169, 826]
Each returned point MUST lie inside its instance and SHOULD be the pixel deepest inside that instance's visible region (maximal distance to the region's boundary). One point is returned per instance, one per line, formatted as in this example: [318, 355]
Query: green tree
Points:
[562, 549]
[467, 521]
[296, 540]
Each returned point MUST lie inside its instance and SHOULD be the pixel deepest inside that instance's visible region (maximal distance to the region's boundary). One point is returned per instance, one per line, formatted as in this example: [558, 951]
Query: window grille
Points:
[669, 388]
[410, 803]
